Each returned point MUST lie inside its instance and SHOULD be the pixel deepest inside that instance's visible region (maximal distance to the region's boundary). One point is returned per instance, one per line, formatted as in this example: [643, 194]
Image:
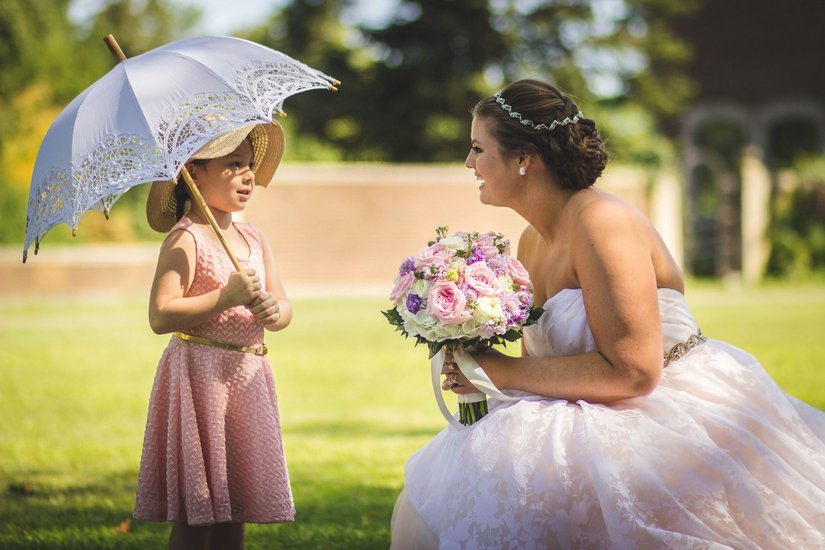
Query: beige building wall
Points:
[355, 223]
[330, 226]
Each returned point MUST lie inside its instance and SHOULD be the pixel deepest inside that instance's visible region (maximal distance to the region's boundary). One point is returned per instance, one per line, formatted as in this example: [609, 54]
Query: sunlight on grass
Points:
[355, 401]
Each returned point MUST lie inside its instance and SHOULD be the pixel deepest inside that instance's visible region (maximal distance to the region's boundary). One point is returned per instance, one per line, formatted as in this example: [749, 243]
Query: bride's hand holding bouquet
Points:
[461, 293]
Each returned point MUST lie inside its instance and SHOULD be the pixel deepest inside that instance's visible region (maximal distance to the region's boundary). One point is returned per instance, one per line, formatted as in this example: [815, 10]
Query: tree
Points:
[431, 74]
[407, 87]
[47, 60]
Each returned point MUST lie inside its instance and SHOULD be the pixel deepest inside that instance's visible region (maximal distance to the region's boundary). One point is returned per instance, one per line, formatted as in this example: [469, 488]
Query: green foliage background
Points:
[407, 86]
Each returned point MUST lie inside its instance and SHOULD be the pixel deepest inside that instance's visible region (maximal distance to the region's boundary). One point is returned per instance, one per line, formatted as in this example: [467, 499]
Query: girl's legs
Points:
[221, 536]
[226, 536]
[187, 537]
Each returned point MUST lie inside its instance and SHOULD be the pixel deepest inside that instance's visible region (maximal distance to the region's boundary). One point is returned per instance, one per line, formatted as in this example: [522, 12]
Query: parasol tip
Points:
[74, 232]
[25, 255]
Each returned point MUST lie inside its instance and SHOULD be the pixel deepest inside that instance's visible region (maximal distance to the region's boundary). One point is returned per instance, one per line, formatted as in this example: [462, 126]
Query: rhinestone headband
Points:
[527, 122]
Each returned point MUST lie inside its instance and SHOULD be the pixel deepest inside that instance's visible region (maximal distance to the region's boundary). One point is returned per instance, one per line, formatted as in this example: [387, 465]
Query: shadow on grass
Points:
[51, 514]
[347, 517]
[98, 515]
[357, 428]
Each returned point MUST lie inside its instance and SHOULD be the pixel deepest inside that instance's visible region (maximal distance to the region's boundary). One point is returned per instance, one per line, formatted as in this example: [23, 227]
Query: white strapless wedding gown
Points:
[718, 456]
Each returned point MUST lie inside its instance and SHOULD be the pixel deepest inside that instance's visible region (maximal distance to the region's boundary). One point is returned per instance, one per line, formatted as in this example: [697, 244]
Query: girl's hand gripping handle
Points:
[242, 288]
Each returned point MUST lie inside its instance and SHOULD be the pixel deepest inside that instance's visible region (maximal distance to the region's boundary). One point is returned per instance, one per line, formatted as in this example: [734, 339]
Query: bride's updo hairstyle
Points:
[530, 116]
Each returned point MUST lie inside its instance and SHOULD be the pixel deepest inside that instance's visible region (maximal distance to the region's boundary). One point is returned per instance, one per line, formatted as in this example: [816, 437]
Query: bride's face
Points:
[496, 174]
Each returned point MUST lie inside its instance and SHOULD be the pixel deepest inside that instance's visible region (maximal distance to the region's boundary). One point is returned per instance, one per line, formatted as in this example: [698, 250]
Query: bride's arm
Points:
[611, 254]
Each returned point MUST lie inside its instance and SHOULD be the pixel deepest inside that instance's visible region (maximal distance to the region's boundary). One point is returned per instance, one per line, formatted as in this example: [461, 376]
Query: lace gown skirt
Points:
[718, 456]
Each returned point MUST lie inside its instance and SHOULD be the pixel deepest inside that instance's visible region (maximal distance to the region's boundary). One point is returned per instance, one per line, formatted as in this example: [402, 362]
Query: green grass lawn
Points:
[355, 402]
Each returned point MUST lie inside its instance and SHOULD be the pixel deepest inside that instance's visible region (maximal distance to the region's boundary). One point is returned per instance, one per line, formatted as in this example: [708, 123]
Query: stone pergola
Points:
[760, 103]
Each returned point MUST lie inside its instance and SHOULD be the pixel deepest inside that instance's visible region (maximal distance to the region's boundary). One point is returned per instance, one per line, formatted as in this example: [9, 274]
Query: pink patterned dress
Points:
[212, 451]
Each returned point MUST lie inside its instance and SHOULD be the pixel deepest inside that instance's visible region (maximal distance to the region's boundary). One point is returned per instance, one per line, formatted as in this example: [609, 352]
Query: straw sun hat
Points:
[267, 148]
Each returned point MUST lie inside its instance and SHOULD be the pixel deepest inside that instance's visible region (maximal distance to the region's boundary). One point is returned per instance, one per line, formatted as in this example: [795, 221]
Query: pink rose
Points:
[483, 279]
[437, 253]
[446, 303]
[402, 285]
[518, 273]
[484, 243]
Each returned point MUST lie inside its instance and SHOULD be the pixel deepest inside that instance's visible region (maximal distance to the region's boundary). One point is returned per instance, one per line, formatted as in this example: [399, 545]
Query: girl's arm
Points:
[272, 308]
[612, 259]
[170, 309]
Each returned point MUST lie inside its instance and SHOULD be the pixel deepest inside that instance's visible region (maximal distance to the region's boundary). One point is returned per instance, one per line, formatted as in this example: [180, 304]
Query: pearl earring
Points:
[522, 171]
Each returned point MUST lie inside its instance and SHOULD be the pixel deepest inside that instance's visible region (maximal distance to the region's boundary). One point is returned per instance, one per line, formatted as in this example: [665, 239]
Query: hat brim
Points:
[267, 150]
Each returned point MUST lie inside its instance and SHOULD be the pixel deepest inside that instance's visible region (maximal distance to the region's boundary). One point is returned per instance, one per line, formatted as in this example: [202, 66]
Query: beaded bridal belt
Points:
[679, 350]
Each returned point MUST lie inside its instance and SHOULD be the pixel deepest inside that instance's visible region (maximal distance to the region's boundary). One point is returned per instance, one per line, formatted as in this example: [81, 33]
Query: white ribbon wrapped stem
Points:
[474, 373]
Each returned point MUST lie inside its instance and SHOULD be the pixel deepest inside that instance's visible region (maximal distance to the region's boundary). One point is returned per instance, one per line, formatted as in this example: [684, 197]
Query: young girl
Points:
[212, 453]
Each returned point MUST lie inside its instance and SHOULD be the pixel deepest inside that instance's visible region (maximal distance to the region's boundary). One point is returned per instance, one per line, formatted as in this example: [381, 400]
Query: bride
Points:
[632, 429]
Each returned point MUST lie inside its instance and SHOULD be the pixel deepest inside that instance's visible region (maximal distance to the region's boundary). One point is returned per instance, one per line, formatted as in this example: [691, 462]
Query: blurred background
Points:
[714, 114]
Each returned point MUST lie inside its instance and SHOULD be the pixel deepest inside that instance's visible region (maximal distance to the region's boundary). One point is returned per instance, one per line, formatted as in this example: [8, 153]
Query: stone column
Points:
[756, 196]
[667, 213]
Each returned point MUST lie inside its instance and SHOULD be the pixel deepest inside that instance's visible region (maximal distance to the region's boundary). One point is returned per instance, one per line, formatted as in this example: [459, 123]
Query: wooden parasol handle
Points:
[197, 198]
[114, 48]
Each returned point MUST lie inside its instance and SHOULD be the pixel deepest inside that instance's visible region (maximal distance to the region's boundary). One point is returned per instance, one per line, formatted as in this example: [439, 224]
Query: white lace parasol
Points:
[141, 121]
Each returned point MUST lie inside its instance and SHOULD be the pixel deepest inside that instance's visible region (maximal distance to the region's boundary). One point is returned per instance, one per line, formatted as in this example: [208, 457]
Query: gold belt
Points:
[680, 349]
[258, 350]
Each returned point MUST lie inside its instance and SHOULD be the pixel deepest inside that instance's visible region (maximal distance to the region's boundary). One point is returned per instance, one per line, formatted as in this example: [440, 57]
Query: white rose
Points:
[454, 243]
[488, 308]
[507, 282]
[422, 288]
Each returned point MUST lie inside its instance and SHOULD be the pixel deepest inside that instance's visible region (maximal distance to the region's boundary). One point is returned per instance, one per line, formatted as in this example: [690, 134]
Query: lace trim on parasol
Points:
[267, 85]
[96, 182]
[189, 124]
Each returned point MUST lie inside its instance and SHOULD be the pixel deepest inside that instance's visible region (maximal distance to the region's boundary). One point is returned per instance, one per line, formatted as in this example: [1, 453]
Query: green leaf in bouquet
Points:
[512, 335]
[533, 316]
[394, 318]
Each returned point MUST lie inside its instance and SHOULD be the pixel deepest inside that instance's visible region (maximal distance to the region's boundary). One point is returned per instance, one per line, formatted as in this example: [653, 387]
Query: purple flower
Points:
[434, 271]
[407, 265]
[498, 264]
[476, 256]
[512, 309]
[470, 293]
[414, 303]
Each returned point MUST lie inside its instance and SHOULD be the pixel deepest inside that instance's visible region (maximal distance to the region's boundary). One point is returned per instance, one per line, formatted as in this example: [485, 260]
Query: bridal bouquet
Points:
[463, 290]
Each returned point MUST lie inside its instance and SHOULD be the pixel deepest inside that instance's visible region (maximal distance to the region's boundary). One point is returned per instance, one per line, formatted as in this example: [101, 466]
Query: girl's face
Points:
[226, 183]
[497, 174]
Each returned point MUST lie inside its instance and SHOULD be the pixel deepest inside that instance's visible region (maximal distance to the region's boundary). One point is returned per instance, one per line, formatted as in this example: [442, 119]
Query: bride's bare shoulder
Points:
[600, 211]
[527, 242]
